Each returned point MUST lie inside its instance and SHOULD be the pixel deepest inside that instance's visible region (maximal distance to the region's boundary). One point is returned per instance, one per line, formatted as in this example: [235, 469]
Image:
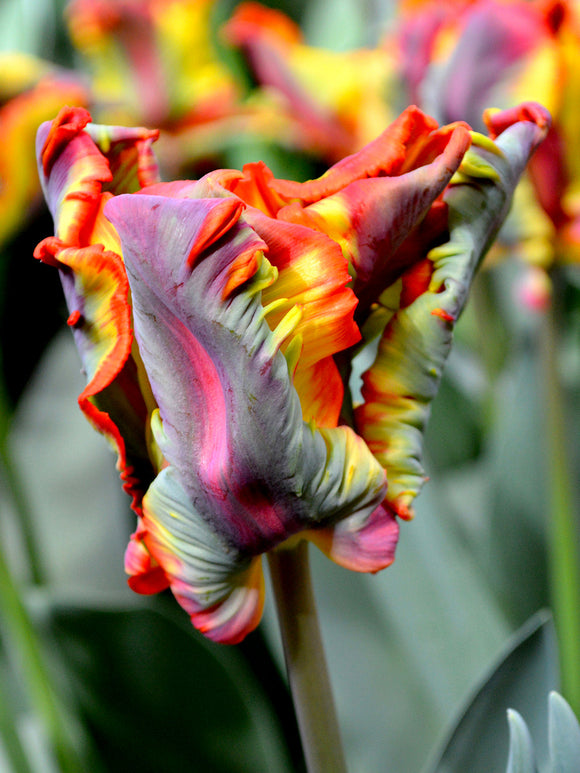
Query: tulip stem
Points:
[564, 538]
[9, 734]
[305, 660]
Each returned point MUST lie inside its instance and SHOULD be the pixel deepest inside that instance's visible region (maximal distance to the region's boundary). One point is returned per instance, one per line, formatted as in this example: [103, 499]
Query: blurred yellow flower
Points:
[31, 90]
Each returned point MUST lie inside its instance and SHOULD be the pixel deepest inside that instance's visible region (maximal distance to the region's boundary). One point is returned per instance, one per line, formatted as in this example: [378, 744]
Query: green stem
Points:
[22, 643]
[10, 736]
[563, 541]
[305, 660]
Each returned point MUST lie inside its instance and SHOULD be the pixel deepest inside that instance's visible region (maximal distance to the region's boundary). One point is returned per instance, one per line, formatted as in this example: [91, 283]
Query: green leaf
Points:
[564, 736]
[497, 502]
[454, 433]
[156, 696]
[564, 740]
[478, 741]
[521, 755]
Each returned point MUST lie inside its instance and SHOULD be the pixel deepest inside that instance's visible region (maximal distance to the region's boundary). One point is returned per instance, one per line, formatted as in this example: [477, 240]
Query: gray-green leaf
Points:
[521, 754]
[563, 735]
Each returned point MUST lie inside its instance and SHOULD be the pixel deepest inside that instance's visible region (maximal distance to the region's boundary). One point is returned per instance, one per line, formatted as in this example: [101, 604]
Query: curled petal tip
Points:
[361, 542]
[497, 121]
[444, 315]
[67, 124]
[403, 509]
[48, 249]
[218, 222]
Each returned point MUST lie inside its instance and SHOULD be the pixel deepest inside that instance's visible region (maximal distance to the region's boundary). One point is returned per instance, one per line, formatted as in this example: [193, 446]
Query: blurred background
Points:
[424, 657]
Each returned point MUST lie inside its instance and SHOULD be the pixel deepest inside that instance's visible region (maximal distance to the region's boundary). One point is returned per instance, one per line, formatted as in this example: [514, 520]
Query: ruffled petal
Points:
[79, 161]
[146, 576]
[81, 166]
[404, 378]
[386, 155]
[361, 543]
[129, 153]
[370, 218]
[312, 274]
[73, 173]
[231, 422]
[321, 391]
[220, 588]
[97, 295]
[411, 140]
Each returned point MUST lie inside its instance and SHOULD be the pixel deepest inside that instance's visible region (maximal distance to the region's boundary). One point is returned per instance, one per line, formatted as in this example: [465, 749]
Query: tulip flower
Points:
[220, 321]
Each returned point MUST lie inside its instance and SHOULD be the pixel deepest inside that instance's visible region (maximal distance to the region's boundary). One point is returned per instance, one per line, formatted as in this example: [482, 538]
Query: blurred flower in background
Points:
[152, 62]
[156, 63]
[164, 63]
[30, 90]
[337, 101]
[496, 53]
